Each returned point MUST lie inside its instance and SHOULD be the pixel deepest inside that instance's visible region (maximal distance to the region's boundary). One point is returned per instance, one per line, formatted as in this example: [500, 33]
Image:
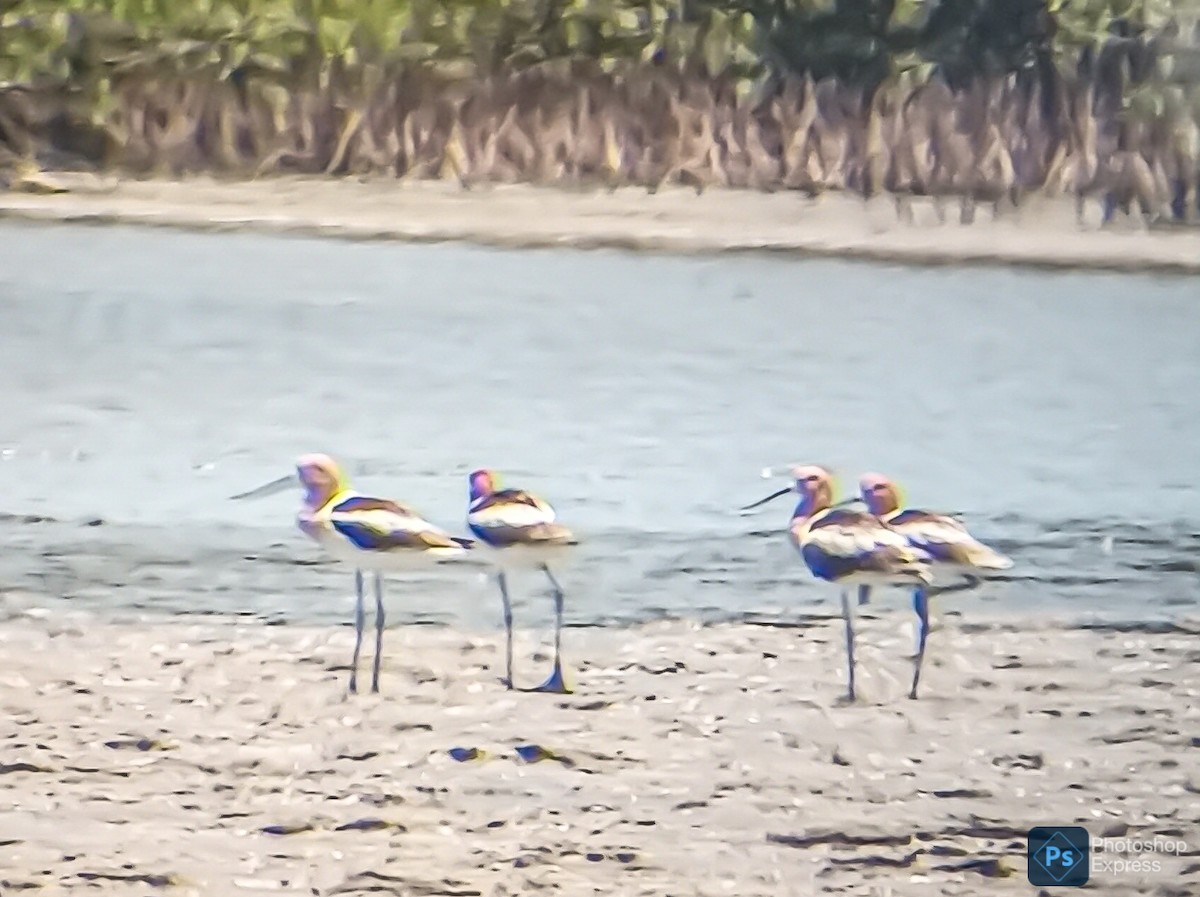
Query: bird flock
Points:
[380, 535]
[880, 544]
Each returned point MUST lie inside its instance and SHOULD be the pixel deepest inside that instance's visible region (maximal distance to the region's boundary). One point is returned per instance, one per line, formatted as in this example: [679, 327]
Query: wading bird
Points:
[523, 532]
[374, 534]
[845, 546]
[950, 547]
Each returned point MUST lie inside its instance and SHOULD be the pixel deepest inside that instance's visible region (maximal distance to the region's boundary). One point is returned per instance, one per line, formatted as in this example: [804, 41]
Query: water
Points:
[148, 375]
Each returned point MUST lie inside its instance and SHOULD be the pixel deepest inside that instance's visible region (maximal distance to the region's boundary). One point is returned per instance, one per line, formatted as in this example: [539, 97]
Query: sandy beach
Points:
[1044, 233]
[222, 758]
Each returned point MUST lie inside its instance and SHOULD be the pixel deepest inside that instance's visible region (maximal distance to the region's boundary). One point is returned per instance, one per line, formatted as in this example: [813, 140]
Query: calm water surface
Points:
[147, 375]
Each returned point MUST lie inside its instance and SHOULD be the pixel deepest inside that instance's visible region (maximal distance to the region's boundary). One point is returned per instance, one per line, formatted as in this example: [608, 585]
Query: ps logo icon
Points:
[1058, 856]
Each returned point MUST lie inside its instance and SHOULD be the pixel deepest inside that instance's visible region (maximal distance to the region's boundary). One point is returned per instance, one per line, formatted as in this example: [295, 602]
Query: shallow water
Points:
[148, 375]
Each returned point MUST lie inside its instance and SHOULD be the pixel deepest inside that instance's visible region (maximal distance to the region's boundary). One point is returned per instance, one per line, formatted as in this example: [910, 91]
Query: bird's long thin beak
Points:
[782, 470]
[750, 508]
[762, 501]
[279, 485]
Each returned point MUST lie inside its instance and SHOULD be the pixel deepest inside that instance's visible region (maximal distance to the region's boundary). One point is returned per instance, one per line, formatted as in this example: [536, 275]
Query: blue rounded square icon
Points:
[1058, 856]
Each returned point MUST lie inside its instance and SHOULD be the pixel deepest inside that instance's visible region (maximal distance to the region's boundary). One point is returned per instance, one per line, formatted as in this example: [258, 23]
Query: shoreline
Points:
[19, 605]
[1042, 235]
[207, 757]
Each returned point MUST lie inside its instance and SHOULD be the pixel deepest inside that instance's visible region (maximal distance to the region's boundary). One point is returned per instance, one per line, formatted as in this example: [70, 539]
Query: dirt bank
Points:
[1044, 233]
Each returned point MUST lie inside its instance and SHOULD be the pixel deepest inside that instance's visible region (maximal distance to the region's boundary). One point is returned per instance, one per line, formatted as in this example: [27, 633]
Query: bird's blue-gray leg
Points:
[380, 619]
[508, 629]
[556, 683]
[968, 583]
[921, 606]
[359, 621]
[864, 595]
[848, 616]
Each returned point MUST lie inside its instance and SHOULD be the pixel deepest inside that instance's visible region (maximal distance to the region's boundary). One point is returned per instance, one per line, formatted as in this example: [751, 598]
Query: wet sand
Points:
[223, 758]
[1044, 233]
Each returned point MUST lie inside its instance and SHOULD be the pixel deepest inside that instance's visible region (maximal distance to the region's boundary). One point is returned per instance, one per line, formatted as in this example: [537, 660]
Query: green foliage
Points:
[90, 42]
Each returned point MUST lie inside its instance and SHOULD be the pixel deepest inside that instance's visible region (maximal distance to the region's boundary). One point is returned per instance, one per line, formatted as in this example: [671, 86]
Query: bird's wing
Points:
[379, 524]
[514, 516]
[848, 530]
[939, 535]
[515, 499]
[919, 517]
[842, 541]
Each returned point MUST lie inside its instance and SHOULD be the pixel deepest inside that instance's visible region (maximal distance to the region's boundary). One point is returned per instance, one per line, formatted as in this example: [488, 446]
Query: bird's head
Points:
[482, 483]
[815, 486]
[320, 478]
[880, 494]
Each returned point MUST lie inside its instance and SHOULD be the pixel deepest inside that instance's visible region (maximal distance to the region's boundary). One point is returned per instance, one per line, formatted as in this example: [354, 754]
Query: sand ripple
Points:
[226, 758]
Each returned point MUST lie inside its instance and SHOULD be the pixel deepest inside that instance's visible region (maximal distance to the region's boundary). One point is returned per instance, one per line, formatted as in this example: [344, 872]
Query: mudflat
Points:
[1043, 233]
[211, 757]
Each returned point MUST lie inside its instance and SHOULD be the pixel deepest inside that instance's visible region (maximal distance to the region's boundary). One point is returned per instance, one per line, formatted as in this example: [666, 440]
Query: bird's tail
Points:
[463, 543]
[984, 558]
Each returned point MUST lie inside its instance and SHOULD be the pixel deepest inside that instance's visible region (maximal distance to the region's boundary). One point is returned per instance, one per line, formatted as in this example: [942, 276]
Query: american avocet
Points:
[368, 533]
[524, 532]
[952, 549]
[845, 546]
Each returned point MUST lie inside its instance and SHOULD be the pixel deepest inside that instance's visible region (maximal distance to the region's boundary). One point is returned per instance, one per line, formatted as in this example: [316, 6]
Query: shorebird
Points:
[523, 532]
[845, 546]
[950, 547]
[373, 534]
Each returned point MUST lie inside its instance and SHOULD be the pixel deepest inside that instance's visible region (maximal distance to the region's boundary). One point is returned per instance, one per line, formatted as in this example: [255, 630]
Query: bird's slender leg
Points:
[502, 580]
[921, 606]
[556, 683]
[848, 616]
[864, 595]
[359, 621]
[380, 619]
[968, 583]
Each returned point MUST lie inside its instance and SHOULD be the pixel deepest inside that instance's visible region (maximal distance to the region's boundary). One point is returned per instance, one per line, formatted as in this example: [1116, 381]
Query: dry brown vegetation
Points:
[579, 124]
